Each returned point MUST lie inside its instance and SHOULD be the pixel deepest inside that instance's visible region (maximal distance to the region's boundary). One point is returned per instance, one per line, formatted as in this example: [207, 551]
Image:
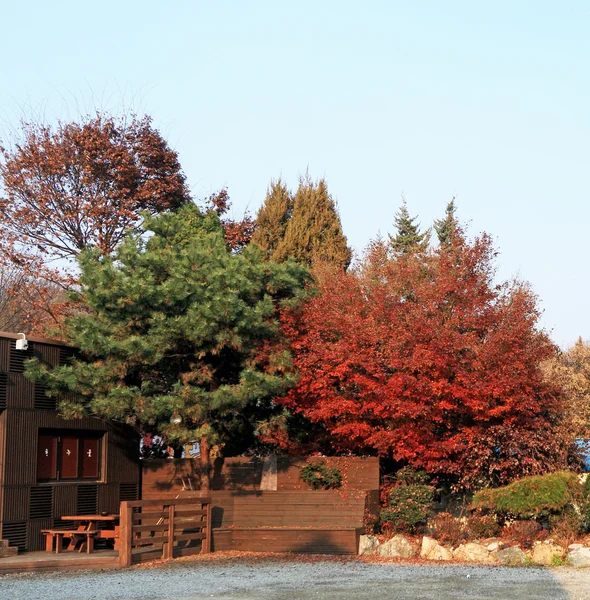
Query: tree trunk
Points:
[205, 465]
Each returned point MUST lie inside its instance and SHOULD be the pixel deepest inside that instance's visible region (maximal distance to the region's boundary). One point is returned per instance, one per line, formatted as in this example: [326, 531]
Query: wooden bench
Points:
[74, 535]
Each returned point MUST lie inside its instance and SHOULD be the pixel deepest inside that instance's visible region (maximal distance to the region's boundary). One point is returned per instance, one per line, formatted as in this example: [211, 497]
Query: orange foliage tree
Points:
[422, 358]
[80, 184]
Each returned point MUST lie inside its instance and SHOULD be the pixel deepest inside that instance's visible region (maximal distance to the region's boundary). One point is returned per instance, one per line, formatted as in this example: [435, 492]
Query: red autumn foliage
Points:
[423, 359]
[78, 185]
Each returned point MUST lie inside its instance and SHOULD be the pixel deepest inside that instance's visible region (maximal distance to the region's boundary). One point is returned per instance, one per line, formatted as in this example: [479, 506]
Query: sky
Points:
[485, 101]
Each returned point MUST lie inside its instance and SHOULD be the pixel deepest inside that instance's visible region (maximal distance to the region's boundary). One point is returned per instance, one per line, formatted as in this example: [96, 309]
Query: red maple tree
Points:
[422, 358]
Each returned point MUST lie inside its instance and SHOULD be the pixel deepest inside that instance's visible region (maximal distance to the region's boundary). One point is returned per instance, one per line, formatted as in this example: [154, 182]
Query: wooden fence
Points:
[318, 522]
[167, 478]
[165, 528]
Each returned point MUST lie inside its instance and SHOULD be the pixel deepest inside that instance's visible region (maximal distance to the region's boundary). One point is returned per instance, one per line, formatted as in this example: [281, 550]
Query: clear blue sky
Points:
[488, 101]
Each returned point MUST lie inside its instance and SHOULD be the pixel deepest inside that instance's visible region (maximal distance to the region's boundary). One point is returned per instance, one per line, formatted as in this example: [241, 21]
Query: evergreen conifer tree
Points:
[314, 232]
[272, 218]
[177, 325]
[408, 238]
[447, 227]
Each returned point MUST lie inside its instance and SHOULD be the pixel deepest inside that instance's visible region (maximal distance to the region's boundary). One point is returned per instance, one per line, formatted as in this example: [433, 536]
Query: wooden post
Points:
[168, 549]
[206, 548]
[125, 535]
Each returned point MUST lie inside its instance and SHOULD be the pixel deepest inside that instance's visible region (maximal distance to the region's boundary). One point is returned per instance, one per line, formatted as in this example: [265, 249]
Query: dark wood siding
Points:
[26, 505]
[16, 503]
[108, 497]
[35, 539]
[4, 355]
[64, 499]
[2, 450]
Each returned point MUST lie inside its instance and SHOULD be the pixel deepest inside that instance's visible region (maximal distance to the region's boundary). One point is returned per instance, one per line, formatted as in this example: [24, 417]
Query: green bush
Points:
[410, 502]
[585, 505]
[531, 497]
[321, 477]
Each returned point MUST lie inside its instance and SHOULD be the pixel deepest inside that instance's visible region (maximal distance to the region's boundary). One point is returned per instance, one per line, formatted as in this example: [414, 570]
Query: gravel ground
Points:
[282, 580]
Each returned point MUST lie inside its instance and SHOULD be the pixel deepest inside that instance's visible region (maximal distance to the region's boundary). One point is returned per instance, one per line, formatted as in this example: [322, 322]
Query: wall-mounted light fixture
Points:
[22, 343]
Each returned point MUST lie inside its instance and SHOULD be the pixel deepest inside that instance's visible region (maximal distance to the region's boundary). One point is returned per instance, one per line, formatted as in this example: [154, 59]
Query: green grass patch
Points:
[532, 497]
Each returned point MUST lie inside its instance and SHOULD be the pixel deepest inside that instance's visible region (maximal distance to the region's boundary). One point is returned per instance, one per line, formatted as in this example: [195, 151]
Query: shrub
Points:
[524, 532]
[566, 528]
[410, 502]
[531, 497]
[556, 561]
[321, 477]
[482, 526]
[448, 529]
[585, 504]
[409, 476]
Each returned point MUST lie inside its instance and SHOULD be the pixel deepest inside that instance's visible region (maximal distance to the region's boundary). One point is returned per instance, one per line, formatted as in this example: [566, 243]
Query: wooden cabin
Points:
[49, 466]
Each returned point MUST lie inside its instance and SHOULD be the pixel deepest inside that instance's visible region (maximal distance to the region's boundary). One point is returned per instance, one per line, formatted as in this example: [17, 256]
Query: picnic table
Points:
[84, 535]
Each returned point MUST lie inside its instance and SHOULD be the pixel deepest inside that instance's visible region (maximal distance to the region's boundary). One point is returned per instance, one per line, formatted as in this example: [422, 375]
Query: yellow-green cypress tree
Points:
[272, 218]
[314, 232]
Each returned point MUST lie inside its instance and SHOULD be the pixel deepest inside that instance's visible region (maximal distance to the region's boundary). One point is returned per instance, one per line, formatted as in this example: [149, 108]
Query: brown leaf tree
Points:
[237, 233]
[81, 184]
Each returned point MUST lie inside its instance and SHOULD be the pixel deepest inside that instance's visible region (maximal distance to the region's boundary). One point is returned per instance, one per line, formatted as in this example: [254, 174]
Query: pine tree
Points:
[272, 218]
[177, 325]
[408, 238]
[314, 232]
[447, 227]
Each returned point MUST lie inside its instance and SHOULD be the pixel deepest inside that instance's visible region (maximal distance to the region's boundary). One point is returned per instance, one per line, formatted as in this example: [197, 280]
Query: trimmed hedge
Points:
[532, 497]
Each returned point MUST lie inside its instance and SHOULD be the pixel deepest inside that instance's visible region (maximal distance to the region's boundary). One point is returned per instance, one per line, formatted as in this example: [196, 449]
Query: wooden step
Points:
[7, 550]
[287, 539]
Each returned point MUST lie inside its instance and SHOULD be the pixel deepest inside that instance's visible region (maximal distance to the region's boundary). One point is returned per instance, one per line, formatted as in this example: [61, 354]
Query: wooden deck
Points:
[30, 562]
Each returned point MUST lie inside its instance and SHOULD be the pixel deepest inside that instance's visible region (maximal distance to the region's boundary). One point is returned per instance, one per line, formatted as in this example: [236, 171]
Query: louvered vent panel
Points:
[41, 504]
[3, 390]
[18, 357]
[16, 534]
[66, 355]
[87, 500]
[59, 524]
[128, 491]
[42, 400]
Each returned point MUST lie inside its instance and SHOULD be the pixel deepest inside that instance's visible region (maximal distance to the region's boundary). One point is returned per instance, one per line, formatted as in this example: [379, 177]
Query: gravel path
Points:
[272, 580]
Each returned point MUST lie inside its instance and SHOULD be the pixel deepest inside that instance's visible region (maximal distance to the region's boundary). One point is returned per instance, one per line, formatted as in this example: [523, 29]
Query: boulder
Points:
[493, 546]
[473, 552]
[579, 558]
[368, 544]
[512, 557]
[575, 546]
[543, 553]
[432, 550]
[397, 547]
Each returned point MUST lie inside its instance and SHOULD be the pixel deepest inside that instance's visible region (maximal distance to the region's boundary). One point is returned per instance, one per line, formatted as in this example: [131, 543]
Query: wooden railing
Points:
[168, 525]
